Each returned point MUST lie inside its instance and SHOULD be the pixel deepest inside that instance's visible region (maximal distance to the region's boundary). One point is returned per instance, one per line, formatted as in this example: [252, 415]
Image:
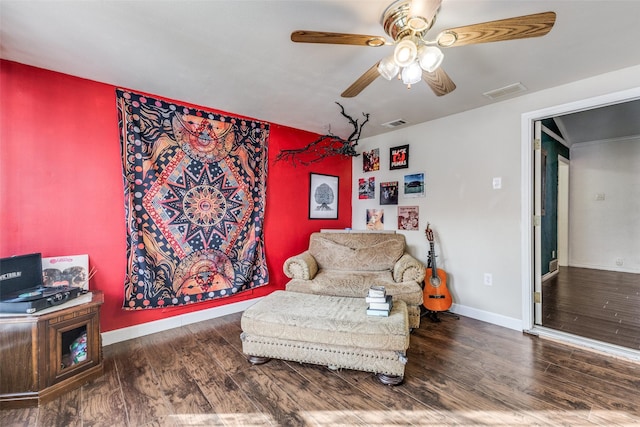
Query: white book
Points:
[376, 299]
[383, 313]
[377, 291]
[386, 305]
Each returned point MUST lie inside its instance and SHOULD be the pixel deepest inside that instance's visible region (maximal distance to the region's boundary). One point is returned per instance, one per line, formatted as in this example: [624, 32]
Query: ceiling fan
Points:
[415, 57]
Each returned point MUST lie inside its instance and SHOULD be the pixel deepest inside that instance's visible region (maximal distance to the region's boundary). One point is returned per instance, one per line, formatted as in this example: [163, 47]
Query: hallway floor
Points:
[596, 304]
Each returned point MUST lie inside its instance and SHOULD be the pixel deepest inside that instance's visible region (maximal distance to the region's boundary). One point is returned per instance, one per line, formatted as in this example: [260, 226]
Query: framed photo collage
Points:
[411, 186]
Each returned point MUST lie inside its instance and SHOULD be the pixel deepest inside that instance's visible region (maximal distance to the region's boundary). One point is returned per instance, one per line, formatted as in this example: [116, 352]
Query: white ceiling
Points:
[237, 56]
[612, 122]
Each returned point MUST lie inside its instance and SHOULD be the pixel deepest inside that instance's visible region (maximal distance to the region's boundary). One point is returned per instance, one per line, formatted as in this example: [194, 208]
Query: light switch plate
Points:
[488, 279]
[497, 183]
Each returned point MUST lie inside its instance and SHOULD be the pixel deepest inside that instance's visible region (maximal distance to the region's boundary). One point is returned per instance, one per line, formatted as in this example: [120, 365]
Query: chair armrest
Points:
[302, 266]
[408, 268]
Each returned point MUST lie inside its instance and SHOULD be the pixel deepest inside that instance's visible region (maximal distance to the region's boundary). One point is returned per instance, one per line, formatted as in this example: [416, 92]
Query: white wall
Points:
[477, 228]
[605, 231]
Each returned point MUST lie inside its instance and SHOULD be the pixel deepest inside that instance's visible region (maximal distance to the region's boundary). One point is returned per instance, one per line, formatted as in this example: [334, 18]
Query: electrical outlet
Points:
[488, 279]
[619, 262]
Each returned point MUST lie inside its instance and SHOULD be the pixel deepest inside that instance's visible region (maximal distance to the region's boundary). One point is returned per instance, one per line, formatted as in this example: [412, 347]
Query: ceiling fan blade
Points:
[337, 38]
[439, 81]
[519, 27]
[363, 81]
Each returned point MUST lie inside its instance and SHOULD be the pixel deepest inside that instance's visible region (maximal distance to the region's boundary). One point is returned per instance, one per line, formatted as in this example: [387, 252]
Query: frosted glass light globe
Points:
[411, 74]
[405, 53]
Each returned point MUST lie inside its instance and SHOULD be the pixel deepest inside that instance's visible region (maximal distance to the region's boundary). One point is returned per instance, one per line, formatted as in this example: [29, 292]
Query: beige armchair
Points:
[348, 263]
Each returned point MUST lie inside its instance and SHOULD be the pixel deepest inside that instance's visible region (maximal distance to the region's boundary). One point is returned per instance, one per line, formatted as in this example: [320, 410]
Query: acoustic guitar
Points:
[436, 296]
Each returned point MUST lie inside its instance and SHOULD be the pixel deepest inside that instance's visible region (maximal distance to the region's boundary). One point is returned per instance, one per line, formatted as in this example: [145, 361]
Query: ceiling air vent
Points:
[505, 91]
[394, 123]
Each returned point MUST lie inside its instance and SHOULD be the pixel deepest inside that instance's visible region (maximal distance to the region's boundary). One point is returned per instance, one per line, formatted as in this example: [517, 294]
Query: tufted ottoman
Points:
[327, 330]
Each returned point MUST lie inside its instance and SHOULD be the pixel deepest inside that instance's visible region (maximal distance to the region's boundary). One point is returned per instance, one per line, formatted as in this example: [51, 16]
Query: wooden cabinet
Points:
[36, 360]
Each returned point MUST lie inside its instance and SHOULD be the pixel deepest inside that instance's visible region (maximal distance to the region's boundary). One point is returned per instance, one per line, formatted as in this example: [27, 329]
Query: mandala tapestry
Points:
[194, 187]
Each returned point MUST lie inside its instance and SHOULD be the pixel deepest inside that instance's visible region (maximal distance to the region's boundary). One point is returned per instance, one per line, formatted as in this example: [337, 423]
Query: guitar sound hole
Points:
[435, 281]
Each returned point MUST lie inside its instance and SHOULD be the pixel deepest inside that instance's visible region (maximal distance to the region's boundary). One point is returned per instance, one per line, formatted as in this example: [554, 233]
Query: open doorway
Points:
[580, 234]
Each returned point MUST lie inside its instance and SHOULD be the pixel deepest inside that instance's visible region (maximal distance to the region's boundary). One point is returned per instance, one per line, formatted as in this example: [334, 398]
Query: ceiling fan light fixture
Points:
[430, 58]
[447, 38]
[405, 53]
[417, 23]
[411, 74]
[422, 14]
[388, 68]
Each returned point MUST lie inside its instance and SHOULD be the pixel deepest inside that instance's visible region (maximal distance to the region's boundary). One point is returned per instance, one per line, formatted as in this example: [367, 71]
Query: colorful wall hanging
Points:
[194, 191]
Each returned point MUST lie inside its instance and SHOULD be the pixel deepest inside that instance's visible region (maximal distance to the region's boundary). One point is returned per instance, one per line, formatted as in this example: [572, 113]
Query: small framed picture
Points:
[323, 196]
[389, 193]
[399, 157]
[371, 160]
[375, 219]
[367, 188]
[414, 185]
[408, 217]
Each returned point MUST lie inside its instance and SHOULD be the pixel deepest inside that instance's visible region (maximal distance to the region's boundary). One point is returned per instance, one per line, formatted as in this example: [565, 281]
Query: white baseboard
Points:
[550, 275]
[143, 329]
[605, 267]
[486, 316]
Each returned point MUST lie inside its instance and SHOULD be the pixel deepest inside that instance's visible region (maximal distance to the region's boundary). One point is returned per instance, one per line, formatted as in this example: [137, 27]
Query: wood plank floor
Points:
[597, 304]
[460, 372]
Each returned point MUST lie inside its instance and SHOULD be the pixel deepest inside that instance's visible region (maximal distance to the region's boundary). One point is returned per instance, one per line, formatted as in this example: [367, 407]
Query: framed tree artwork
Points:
[323, 196]
[399, 157]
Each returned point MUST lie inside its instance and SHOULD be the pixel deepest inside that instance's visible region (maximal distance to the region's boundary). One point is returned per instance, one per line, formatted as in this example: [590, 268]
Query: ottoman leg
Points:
[390, 379]
[258, 360]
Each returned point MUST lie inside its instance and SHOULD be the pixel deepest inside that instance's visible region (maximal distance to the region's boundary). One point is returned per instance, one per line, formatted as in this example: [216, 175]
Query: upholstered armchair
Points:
[348, 263]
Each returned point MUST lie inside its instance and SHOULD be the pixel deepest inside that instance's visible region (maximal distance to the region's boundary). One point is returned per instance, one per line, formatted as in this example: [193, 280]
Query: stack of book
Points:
[379, 302]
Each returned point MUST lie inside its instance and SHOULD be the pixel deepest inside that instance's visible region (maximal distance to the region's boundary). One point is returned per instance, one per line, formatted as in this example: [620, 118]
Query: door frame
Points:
[527, 214]
[564, 165]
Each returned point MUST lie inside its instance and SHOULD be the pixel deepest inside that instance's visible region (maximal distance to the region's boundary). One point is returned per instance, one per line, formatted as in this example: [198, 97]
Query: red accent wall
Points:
[61, 185]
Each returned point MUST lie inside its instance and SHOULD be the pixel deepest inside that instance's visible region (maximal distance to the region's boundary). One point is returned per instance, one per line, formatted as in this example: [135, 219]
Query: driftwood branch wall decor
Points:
[327, 145]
